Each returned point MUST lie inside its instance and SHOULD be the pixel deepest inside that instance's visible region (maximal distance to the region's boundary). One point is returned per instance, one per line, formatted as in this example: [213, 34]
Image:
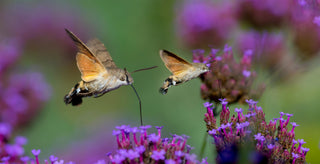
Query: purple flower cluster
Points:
[200, 23]
[22, 94]
[10, 52]
[273, 141]
[135, 146]
[269, 48]
[10, 153]
[264, 14]
[306, 32]
[227, 78]
[296, 23]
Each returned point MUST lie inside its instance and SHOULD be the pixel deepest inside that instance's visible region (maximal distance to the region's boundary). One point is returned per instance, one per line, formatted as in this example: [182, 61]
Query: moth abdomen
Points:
[72, 97]
[167, 83]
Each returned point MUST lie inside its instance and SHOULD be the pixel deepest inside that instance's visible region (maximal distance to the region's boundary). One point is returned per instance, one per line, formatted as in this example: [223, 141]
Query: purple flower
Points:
[134, 129]
[207, 104]
[294, 142]
[20, 140]
[36, 152]
[10, 51]
[179, 153]
[294, 155]
[302, 2]
[59, 162]
[304, 149]
[53, 158]
[223, 101]
[14, 150]
[158, 155]
[259, 137]
[122, 127]
[101, 162]
[199, 23]
[154, 138]
[246, 73]
[301, 141]
[272, 140]
[316, 20]
[132, 154]
[170, 161]
[5, 158]
[238, 110]
[140, 149]
[116, 132]
[251, 102]
[145, 127]
[149, 147]
[212, 132]
[117, 158]
[5, 129]
[25, 159]
[270, 146]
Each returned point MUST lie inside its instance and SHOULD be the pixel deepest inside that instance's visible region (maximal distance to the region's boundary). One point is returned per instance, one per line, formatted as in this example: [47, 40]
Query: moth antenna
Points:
[144, 69]
[135, 91]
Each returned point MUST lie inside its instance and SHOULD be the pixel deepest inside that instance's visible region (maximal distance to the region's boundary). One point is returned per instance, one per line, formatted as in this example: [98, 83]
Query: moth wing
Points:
[174, 63]
[88, 64]
[100, 51]
[90, 69]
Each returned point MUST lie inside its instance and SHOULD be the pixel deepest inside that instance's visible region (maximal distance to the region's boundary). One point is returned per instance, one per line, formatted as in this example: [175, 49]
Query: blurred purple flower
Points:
[264, 14]
[267, 49]
[23, 97]
[202, 23]
[306, 31]
[10, 51]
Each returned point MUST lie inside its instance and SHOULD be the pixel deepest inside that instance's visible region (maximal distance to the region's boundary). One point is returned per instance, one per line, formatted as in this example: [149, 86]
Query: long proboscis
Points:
[135, 91]
[144, 69]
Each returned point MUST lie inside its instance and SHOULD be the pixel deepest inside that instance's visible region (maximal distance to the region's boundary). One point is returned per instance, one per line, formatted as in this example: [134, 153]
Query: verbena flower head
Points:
[268, 49]
[22, 96]
[10, 151]
[10, 51]
[306, 31]
[201, 23]
[264, 14]
[228, 78]
[273, 141]
[136, 145]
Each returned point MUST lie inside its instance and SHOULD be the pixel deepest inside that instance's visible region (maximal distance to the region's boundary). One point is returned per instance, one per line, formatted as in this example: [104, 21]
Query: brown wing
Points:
[100, 51]
[89, 66]
[173, 62]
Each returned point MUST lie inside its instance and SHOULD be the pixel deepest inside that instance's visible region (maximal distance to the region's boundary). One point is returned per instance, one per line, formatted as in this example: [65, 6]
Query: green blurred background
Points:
[134, 32]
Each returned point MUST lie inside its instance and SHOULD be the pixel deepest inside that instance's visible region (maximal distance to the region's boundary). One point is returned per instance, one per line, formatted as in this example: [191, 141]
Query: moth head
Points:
[202, 67]
[126, 77]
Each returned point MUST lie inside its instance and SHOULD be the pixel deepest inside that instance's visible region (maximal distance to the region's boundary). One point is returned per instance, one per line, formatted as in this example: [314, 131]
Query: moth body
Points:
[99, 73]
[182, 71]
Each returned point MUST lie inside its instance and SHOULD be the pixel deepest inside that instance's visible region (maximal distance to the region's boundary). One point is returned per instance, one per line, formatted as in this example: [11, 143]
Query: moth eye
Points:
[122, 79]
